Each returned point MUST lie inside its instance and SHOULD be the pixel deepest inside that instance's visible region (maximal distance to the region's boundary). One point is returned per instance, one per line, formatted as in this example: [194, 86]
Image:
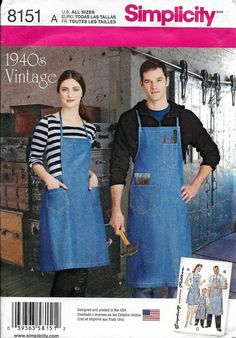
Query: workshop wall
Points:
[111, 74]
[214, 60]
[97, 65]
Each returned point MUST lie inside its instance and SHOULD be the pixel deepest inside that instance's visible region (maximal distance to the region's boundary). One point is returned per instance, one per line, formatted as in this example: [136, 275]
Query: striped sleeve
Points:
[91, 130]
[39, 142]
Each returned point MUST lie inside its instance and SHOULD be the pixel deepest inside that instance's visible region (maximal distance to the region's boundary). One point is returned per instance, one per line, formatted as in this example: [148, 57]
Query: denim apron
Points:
[157, 215]
[72, 233]
[215, 299]
[202, 308]
[194, 291]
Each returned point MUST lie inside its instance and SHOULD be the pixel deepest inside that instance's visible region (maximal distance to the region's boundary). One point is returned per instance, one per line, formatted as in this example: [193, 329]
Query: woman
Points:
[72, 235]
[193, 281]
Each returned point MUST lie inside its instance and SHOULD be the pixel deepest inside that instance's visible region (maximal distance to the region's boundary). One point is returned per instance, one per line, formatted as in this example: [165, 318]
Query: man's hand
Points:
[217, 287]
[117, 221]
[117, 218]
[188, 192]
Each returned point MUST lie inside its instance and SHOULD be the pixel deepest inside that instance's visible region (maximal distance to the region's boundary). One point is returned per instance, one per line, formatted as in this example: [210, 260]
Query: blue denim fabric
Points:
[157, 215]
[152, 292]
[72, 233]
[172, 292]
[142, 293]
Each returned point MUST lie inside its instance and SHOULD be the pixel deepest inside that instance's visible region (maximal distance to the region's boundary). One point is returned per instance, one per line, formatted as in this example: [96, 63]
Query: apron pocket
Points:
[170, 155]
[143, 198]
[57, 199]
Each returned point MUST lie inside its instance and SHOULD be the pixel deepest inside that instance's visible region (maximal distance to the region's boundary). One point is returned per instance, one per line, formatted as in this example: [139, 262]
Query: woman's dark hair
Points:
[197, 266]
[151, 64]
[73, 74]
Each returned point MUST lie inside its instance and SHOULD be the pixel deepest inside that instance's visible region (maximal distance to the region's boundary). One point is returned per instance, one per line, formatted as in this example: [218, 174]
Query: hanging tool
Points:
[131, 249]
[233, 88]
[98, 128]
[103, 136]
[205, 85]
[217, 88]
[183, 77]
[109, 242]
[207, 189]
[96, 144]
[112, 127]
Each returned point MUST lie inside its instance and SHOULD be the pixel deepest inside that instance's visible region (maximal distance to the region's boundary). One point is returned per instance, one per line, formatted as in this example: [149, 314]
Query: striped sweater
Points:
[46, 139]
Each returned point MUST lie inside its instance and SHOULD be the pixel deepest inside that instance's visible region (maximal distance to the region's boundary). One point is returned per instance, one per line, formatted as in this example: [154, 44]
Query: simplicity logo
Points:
[178, 14]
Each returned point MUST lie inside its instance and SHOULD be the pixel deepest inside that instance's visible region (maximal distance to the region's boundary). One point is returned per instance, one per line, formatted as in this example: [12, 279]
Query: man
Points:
[217, 283]
[157, 215]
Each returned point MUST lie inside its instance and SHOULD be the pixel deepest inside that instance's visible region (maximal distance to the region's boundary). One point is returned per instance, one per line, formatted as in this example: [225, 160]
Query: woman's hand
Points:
[53, 183]
[93, 180]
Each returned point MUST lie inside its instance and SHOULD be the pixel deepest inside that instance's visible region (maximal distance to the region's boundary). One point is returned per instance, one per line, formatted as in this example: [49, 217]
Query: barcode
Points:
[36, 313]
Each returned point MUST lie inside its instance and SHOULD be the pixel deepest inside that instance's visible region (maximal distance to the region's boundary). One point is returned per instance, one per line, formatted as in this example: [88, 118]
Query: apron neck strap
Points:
[138, 118]
[177, 122]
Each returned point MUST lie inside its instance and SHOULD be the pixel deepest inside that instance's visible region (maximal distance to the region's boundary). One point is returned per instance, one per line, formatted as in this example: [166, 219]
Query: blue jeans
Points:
[150, 292]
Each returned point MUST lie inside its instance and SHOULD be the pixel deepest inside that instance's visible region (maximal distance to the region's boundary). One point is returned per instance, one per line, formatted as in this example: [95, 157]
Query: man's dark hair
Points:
[152, 64]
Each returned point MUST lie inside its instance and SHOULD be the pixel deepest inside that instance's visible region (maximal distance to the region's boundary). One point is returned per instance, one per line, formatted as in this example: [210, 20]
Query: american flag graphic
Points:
[151, 314]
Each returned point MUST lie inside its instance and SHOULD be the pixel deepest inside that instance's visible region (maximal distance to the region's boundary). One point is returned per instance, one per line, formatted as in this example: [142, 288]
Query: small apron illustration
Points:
[215, 299]
[201, 311]
[72, 233]
[194, 292]
[157, 216]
